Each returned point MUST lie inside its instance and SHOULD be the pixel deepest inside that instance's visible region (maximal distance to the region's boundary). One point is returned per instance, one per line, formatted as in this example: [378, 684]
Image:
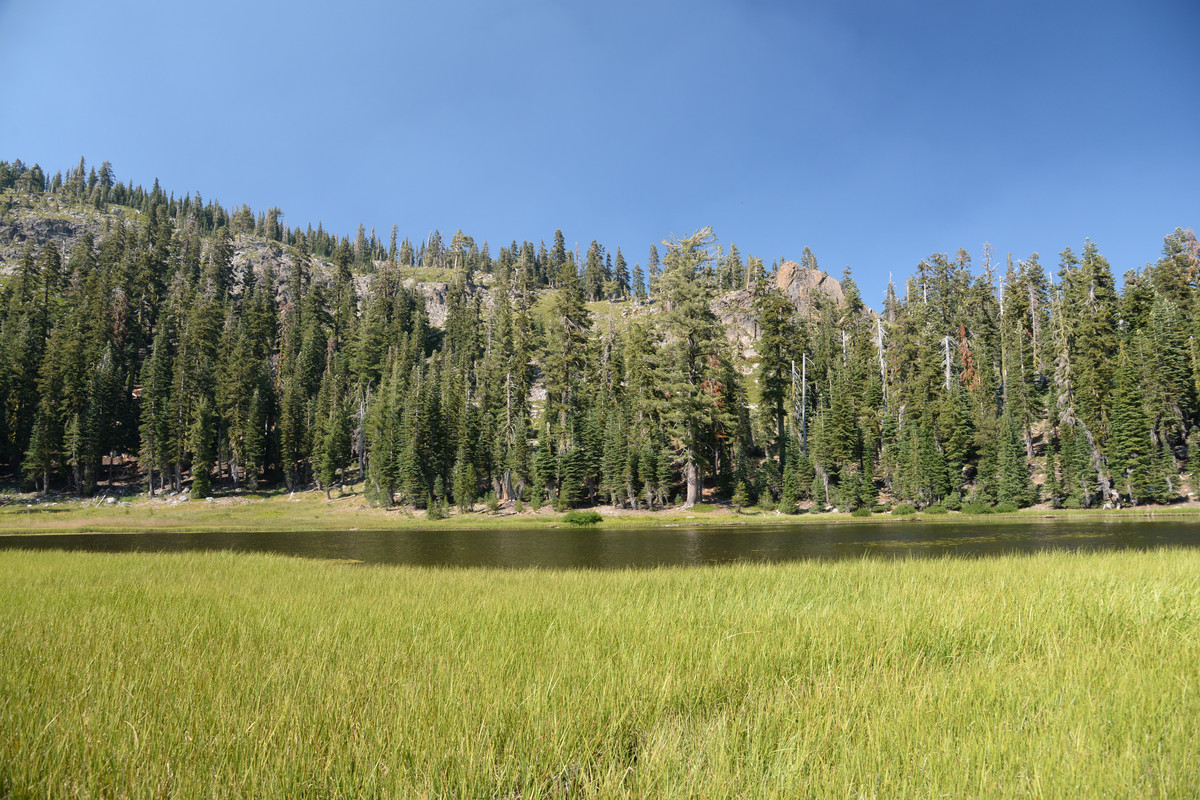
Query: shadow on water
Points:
[620, 548]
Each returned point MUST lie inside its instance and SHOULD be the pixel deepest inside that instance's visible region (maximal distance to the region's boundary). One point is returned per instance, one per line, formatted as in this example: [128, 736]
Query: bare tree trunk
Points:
[695, 484]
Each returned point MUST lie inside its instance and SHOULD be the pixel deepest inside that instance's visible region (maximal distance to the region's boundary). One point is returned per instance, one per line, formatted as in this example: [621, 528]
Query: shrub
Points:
[741, 497]
[976, 508]
[861, 512]
[903, 510]
[1004, 508]
[936, 510]
[953, 503]
[492, 502]
[582, 517]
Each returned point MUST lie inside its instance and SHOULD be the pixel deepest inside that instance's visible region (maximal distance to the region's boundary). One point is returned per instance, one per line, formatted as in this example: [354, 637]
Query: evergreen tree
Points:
[692, 333]
[1129, 445]
[1014, 487]
[202, 442]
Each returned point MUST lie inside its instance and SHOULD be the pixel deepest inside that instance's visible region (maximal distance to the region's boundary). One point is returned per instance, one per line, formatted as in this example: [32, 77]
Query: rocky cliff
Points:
[806, 288]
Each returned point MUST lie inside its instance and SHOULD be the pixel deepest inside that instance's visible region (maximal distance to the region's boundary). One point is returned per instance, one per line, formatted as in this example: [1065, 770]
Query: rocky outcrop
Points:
[26, 220]
[804, 287]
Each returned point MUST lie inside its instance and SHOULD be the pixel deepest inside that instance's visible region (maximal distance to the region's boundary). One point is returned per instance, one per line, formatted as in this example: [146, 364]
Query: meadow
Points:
[310, 510]
[225, 675]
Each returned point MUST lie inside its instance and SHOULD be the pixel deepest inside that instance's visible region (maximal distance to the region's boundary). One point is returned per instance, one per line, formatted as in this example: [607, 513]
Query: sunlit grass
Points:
[258, 676]
[310, 510]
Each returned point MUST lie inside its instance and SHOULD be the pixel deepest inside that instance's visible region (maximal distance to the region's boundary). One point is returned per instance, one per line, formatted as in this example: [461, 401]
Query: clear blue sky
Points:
[874, 132]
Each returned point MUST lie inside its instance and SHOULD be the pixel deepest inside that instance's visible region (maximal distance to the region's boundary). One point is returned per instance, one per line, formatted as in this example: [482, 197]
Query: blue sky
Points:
[874, 132]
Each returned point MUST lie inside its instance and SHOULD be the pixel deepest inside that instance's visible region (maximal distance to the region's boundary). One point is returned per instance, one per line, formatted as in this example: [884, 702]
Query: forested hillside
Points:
[165, 342]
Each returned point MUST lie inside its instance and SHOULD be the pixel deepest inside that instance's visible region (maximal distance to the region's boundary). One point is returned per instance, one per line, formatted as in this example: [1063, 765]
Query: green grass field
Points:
[255, 676]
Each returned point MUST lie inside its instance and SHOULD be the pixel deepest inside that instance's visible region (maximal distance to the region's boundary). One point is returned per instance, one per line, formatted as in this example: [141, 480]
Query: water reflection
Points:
[616, 548]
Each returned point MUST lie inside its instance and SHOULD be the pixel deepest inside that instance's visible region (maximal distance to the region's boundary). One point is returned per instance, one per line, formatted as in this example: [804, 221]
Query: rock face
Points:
[804, 287]
[437, 293]
[40, 221]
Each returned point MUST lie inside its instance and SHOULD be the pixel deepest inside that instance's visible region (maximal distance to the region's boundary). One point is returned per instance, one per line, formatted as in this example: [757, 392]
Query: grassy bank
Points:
[312, 511]
[256, 676]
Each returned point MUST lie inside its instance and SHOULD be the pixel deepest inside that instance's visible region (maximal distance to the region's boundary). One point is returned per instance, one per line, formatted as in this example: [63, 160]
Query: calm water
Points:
[602, 548]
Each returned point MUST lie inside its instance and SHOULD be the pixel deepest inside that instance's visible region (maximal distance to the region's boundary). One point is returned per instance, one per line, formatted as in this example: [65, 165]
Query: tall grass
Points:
[257, 676]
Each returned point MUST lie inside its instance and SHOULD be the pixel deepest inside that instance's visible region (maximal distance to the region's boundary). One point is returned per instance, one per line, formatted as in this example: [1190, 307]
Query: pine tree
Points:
[1015, 486]
[652, 270]
[202, 442]
[775, 361]
[741, 497]
[639, 283]
[1130, 453]
[692, 332]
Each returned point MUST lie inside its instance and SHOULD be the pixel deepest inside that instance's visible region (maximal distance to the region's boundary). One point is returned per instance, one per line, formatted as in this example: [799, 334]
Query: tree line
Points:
[148, 346]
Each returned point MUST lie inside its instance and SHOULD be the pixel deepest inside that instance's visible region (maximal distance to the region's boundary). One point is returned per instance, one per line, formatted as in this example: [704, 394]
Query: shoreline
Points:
[309, 510]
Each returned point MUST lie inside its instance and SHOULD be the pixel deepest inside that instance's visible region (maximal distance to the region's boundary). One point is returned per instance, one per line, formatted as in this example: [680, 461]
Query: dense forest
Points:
[139, 348]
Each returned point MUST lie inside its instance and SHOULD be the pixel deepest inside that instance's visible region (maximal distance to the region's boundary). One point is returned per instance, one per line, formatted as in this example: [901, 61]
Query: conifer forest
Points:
[159, 342]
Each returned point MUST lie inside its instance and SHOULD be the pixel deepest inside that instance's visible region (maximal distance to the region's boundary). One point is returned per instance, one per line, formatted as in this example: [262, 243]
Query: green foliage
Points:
[1015, 486]
[741, 497]
[582, 517]
[903, 510]
[159, 342]
[436, 509]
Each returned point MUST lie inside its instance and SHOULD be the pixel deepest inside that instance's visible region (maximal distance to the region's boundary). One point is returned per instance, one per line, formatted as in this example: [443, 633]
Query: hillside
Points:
[33, 220]
[173, 343]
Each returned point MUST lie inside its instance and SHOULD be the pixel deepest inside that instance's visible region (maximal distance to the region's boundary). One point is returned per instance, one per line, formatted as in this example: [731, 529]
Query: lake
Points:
[619, 548]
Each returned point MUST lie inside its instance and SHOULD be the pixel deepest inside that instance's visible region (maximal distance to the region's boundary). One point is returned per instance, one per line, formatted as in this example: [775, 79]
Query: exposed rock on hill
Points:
[24, 220]
[39, 219]
[806, 288]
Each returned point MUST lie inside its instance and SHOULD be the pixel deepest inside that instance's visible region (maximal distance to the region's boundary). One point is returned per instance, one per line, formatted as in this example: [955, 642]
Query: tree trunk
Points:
[695, 484]
[1102, 480]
